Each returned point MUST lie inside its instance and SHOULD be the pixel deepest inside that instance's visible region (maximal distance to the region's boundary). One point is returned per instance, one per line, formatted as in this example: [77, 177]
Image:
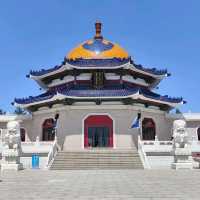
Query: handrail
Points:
[142, 154]
[154, 142]
[52, 153]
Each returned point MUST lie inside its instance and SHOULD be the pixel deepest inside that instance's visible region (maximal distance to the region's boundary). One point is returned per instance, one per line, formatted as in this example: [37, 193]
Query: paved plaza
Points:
[100, 184]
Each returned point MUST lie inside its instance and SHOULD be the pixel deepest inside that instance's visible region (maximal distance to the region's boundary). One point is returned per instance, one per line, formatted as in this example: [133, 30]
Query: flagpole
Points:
[140, 125]
[55, 126]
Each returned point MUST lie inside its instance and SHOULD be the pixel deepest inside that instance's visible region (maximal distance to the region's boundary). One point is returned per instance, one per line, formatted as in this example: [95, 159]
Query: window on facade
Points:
[23, 134]
[98, 79]
[48, 132]
[148, 129]
[198, 133]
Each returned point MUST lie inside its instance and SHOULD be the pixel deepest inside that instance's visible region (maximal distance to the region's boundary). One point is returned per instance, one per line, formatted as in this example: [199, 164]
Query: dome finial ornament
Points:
[98, 30]
[97, 48]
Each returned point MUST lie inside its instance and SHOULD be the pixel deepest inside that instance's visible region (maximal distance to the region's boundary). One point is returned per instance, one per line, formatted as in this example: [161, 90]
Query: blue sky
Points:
[38, 34]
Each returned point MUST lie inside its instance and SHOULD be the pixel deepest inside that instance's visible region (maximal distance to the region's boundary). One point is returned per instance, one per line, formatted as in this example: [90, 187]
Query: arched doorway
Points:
[98, 131]
[22, 134]
[148, 129]
[198, 133]
[48, 133]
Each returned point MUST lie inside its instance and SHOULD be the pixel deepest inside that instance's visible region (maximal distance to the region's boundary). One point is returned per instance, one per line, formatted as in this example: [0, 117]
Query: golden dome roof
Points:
[97, 48]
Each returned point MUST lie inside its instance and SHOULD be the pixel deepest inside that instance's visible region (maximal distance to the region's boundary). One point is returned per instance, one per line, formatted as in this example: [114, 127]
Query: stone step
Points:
[102, 153]
[97, 159]
[97, 165]
[94, 164]
[93, 168]
[95, 153]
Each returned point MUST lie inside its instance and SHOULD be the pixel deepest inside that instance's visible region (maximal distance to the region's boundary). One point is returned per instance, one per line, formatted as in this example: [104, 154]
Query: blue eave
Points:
[78, 91]
[44, 71]
[34, 99]
[104, 63]
[90, 63]
[152, 70]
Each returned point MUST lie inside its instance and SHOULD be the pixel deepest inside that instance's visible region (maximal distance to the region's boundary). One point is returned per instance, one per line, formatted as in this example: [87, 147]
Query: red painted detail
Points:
[48, 133]
[98, 121]
[48, 123]
[148, 129]
[196, 154]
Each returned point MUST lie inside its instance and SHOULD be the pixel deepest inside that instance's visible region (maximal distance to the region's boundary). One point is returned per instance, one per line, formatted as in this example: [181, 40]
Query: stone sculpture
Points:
[180, 134]
[11, 147]
[181, 146]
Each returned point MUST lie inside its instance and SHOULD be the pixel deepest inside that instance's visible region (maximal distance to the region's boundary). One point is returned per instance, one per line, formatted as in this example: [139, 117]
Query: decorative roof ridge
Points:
[114, 91]
[150, 70]
[41, 97]
[95, 62]
[89, 59]
[72, 62]
[43, 71]
[149, 94]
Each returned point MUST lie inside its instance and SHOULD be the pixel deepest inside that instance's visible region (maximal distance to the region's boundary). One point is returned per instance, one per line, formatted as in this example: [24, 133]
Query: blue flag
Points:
[136, 121]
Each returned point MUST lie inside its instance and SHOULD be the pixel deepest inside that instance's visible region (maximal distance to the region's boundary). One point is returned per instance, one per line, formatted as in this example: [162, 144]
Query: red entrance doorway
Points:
[98, 131]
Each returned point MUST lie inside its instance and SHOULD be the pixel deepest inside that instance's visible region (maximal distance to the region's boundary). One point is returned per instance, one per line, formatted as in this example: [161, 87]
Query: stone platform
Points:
[100, 184]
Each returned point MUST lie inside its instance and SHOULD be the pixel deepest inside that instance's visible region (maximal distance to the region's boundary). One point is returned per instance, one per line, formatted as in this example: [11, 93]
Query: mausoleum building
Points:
[95, 94]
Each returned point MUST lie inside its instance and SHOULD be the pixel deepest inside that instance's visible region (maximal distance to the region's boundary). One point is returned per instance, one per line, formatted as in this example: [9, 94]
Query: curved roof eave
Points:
[38, 75]
[137, 96]
[55, 97]
[67, 66]
[160, 76]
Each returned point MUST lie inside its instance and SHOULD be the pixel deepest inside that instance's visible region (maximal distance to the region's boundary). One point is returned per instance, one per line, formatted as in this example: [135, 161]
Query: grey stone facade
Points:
[71, 123]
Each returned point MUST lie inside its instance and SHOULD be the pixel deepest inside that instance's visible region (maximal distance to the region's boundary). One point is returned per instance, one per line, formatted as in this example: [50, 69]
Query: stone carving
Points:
[181, 146]
[11, 147]
[180, 134]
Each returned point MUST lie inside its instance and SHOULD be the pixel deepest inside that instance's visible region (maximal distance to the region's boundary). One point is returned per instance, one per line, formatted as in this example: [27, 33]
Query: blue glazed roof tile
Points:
[151, 70]
[114, 90]
[44, 71]
[109, 63]
[106, 63]
[30, 99]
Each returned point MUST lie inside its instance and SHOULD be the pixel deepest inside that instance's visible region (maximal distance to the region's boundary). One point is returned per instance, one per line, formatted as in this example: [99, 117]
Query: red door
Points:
[98, 131]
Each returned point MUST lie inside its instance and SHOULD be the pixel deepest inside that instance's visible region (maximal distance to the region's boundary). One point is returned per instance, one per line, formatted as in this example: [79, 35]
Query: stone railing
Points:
[52, 153]
[2, 133]
[156, 145]
[33, 147]
[142, 154]
[165, 146]
[195, 145]
[36, 147]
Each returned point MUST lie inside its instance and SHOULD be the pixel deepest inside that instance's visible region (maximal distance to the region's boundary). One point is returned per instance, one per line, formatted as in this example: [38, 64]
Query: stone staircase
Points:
[97, 159]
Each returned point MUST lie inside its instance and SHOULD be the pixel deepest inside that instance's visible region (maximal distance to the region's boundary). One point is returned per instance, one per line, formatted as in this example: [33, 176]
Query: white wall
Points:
[27, 162]
[70, 124]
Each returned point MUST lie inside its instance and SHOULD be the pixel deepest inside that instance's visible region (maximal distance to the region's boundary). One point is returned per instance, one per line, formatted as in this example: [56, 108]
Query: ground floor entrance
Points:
[98, 136]
[98, 131]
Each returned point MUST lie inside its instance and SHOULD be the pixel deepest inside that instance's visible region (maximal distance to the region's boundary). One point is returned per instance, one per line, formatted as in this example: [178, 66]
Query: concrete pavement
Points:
[100, 184]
